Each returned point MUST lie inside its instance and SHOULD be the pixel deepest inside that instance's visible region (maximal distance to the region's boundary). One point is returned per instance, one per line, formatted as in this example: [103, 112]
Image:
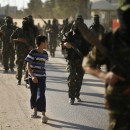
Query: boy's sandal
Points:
[44, 119]
[34, 115]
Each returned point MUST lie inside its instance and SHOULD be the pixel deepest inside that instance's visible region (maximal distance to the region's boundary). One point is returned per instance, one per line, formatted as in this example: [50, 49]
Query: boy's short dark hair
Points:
[39, 39]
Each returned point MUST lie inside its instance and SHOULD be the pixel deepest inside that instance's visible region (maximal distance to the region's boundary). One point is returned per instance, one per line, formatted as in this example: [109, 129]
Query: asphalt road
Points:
[15, 112]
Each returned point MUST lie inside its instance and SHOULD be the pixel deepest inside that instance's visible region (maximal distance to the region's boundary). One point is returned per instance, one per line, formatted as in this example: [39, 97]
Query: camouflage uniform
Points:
[53, 38]
[74, 67]
[66, 27]
[32, 29]
[47, 29]
[32, 26]
[97, 29]
[8, 52]
[22, 48]
[117, 95]
[96, 26]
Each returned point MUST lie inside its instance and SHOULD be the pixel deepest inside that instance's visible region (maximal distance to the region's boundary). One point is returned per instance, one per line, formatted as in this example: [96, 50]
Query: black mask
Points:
[124, 17]
[25, 25]
[9, 22]
[80, 20]
[76, 30]
[31, 22]
[96, 20]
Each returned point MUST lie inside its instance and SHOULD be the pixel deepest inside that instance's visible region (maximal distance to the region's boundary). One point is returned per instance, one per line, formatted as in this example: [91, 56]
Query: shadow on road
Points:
[93, 84]
[93, 94]
[82, 93]
[56, 67]
[9, 72]
[97, 103]
[57, 79]
[64, 124]
[91, 104]
[56, 70]
[93, 80]
[56, 90]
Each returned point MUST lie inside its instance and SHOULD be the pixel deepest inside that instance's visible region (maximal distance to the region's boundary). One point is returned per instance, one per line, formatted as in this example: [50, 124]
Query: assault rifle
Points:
[88, 36]
[73, 46]
[43, 20]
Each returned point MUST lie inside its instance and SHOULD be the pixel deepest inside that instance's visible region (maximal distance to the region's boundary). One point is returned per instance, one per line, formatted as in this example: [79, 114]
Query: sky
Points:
[19, 3]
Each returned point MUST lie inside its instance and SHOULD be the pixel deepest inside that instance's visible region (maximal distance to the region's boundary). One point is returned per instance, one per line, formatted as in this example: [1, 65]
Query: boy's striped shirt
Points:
[37, 62]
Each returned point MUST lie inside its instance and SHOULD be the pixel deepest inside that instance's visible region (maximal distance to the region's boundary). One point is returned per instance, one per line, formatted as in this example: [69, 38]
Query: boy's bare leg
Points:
[44, 118]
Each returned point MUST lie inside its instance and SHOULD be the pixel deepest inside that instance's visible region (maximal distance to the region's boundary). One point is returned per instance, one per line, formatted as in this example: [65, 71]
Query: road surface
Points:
[15, 112]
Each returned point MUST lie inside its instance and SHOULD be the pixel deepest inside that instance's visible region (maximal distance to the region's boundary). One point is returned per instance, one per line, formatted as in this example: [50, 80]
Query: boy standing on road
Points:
[37, 76]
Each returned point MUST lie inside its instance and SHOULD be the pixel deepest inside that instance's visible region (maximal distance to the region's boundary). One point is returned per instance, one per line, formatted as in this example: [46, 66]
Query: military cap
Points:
[124, 4]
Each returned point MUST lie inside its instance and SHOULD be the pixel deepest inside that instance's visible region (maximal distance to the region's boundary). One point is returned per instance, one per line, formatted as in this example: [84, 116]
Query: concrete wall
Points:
[36, 21]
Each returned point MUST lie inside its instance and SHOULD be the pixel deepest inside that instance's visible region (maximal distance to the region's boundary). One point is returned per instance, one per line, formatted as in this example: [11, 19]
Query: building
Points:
[106, 9]
[8, 10]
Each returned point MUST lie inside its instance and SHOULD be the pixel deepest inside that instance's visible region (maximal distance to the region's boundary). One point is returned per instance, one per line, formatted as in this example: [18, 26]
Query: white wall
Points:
[36, 21]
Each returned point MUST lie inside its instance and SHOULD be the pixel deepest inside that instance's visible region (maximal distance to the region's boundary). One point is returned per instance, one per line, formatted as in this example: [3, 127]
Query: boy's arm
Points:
[34, 78]
[29, 70]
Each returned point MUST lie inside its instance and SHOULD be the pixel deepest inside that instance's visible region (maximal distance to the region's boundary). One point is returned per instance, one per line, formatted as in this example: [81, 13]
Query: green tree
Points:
[35, 7]
[67, 8]
[48, 9]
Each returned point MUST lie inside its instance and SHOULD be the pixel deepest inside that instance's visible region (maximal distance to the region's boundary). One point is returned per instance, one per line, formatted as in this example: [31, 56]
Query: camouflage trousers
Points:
[52, 49]
[8, 58]
[75, 78]
[0, 56]
[26, 74]
[118, 105]
[20, 66]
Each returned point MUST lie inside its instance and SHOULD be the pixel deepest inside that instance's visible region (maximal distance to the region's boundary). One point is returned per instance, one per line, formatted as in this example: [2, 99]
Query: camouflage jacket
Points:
[27, 35]
[119, 48]
[79, 42]
[6, 33]
[98, 29]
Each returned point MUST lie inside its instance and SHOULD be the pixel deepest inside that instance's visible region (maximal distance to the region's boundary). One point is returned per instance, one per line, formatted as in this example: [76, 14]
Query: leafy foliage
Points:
[59, 8]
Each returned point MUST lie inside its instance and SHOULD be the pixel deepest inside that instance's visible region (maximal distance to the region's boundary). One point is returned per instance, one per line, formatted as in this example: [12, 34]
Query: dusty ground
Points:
[15, 112]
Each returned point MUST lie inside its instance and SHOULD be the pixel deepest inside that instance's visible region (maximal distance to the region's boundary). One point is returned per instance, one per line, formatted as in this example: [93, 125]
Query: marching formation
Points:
[85, 49]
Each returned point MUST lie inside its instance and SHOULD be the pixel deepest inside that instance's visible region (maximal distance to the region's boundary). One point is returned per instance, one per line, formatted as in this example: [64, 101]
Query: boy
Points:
[37, 76]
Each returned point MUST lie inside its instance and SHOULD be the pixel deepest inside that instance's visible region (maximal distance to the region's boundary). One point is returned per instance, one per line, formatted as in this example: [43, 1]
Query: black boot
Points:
[12, 70]
[5, 71]
[19, 81]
